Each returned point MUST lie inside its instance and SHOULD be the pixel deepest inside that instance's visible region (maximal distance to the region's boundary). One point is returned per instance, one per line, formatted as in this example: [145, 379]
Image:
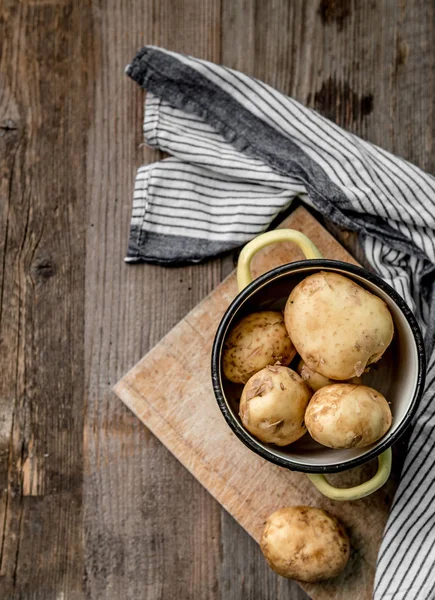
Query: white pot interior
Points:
[395, 375]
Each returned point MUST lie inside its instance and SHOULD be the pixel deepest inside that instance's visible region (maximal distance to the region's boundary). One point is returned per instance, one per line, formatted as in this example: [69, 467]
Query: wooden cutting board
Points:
[170, 391]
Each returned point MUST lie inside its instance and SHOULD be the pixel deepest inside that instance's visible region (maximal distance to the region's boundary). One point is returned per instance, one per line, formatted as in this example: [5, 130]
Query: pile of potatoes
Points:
[338, 329]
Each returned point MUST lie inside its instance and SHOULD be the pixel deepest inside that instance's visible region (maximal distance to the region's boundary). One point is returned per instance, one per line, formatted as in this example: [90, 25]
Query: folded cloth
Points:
[241, 152]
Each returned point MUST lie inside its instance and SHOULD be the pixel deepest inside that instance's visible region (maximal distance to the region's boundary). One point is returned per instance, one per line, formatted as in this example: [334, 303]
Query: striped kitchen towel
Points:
[240, 153]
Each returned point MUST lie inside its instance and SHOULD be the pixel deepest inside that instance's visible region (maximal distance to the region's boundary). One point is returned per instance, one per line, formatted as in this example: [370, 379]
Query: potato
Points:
[316, 381]
[258, 340]
[305, 543]
[344, 415]
[273, 404]
[337, 327]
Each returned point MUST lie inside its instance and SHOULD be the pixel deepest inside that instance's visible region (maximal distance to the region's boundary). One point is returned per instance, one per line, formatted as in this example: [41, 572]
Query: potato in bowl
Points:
[398, 375]
[337, 326]
[273, 403]
[258, 340]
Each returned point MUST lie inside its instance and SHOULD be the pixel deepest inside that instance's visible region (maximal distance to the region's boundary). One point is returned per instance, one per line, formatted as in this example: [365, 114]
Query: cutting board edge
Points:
[201, 473]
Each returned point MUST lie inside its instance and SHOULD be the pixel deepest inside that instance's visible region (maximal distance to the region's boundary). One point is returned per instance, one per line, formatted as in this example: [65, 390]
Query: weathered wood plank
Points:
[43, 117]
[151, 531]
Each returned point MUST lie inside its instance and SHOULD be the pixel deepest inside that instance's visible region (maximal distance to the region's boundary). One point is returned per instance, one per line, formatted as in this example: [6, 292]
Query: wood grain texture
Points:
[43, 117]
[70, 139]
[368, 66]
[143, 511]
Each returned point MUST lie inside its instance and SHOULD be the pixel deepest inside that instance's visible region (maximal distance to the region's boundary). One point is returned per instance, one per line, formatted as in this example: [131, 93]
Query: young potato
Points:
[305, 543]
[344, 415]
[316, 381]
[273, 404]
[337, 327]
[258, 340]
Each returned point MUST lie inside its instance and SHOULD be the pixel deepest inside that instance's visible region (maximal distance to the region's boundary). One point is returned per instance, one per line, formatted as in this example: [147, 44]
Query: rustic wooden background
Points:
[91, 504]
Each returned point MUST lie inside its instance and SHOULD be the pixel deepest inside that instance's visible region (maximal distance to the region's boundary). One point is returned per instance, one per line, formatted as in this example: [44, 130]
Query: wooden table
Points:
[91, 504]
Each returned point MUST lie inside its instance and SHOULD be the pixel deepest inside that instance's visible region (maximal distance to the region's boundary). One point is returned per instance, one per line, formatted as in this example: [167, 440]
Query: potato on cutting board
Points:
[305, 543]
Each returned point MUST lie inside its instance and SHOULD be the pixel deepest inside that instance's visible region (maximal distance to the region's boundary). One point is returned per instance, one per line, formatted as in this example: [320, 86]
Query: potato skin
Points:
[344, 415]
[305, 543]
[258, 340]
[273, 404]
[315, 381]
[337, 326]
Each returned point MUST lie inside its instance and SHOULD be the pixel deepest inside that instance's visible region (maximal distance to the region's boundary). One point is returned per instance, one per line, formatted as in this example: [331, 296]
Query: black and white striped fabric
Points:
[240, 153]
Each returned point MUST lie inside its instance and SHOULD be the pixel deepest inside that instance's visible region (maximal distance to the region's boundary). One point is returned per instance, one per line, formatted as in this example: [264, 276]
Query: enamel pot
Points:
[399, 375]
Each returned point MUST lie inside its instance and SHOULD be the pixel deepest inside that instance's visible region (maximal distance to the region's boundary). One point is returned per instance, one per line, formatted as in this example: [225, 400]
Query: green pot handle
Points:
[244, 278]
[359, 491]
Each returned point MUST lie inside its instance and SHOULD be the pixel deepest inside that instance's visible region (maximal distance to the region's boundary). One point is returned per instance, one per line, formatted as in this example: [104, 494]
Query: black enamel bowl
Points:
[399, 375]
